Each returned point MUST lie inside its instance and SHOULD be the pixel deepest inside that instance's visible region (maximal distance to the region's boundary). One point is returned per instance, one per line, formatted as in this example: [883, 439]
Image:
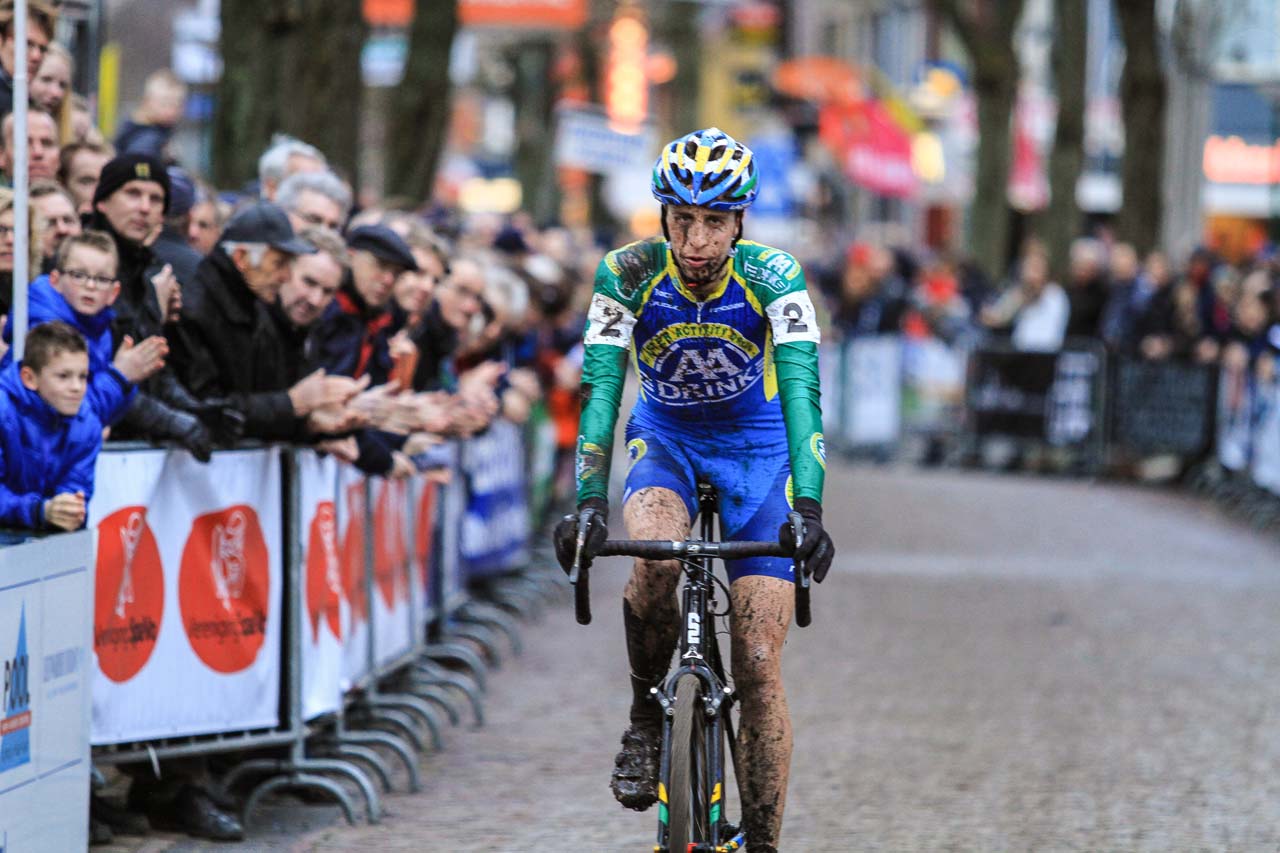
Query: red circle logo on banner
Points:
[390, 555]
[324, 571]
[353, 554]
[128, 594]
[224, 587]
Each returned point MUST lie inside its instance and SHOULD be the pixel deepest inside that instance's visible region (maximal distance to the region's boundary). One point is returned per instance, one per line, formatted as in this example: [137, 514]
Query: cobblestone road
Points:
[996, 663]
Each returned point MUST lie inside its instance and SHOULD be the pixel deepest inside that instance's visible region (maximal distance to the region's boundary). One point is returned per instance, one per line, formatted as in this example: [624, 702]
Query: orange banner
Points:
[554, 14]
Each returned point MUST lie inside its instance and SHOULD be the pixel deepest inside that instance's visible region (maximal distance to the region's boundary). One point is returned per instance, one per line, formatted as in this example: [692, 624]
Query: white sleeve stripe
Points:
[793, 319]
[609, 322]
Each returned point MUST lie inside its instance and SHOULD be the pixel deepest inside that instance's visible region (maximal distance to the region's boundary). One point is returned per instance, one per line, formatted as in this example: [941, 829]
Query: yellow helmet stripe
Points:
[746, 158]
[724, 161]
[680, 157]
[700, 163]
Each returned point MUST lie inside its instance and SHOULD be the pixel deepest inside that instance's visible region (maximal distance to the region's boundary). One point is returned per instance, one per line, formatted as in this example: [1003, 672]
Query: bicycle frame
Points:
[699, 655]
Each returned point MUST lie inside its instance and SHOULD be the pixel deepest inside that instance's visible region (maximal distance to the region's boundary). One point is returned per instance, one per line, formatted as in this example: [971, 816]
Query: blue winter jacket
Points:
[42, 453]
[109, 392]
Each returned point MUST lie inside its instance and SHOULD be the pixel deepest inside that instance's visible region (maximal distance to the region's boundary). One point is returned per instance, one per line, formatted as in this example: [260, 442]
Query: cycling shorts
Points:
[748, 467]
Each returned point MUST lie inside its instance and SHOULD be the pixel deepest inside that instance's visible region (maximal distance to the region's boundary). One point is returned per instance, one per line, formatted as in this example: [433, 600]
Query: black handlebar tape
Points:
[582, 597]
[803, 614]
[659, 550]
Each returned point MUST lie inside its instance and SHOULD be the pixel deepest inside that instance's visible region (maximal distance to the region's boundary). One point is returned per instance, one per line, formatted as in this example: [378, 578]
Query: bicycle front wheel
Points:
[688, 813]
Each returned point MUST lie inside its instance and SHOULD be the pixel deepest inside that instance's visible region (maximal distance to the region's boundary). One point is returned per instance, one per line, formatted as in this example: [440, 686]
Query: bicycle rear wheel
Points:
[688, 818]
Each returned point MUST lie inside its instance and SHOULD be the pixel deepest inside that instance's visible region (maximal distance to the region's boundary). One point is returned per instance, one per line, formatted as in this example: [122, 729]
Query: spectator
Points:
[42, 21]
[205, 221]
[51, 86]
[286, 156]
[459, 299]
[227, 344]
[310, 289]
[54, 214]
[1129, 295]
[80, 165]
[1035, 309]
[149, 129]
[6, 249]
[315, 200]
[82, 127]
[864, 308]
[354, 333]
[171, 246]
[42, 147]
[79, 292]
[1087, 291]
[49, 440]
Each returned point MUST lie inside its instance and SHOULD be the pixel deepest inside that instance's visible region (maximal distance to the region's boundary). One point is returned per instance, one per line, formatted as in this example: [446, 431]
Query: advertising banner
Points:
[1235, 416]
[46, 606]
[425, 502]
[352, 523]
[1164, 407]
[1266, 438]
[495, 528]
[871, 393]
[326, 616]
[392, 617]
[199, 652]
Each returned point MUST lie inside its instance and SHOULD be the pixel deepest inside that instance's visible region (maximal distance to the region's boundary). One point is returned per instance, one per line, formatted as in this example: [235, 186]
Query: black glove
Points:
[565, 535]
[224, 421]
[816, 549]
[187, 430]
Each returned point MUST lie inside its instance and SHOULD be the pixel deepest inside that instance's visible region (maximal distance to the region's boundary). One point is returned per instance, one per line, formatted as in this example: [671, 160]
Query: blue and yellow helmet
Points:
[707, 168]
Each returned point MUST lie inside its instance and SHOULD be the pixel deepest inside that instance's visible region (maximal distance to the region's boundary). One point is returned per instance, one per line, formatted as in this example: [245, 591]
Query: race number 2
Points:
[793, 320]
[609, 322]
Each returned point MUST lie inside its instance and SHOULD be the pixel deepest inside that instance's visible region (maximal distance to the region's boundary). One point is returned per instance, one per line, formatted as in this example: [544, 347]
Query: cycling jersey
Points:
[744, 358]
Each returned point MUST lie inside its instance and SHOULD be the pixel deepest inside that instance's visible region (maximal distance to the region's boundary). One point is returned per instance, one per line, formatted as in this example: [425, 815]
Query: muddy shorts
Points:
[749, 467]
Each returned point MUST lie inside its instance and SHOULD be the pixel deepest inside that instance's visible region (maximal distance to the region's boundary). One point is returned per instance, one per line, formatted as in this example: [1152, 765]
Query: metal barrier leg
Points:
[293, 773]
[352, 752]
[478, 613]
[435, 695]
[393, 720]
[459, 653]
[483, 637]
[427, 673]
[302, 780]
[412, 706]
[517, 599]
[401, 749]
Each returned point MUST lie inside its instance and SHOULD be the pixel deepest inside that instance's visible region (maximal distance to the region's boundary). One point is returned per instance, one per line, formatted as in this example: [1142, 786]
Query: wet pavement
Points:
[996, 663]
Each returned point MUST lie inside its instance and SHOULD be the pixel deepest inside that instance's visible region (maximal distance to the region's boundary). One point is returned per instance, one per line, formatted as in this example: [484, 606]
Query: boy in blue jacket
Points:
[49, 440]
[79, 292]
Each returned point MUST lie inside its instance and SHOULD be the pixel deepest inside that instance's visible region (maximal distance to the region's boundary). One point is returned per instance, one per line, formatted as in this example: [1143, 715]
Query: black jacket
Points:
[436, 341]
[170, 248]
[352, 339]
[226, 345]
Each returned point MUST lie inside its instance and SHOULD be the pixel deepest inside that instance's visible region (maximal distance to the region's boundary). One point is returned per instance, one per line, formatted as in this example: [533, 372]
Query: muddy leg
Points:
[762, 608]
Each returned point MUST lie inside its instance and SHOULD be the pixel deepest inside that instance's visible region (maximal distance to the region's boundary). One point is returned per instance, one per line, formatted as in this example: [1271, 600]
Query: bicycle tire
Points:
[688, 819]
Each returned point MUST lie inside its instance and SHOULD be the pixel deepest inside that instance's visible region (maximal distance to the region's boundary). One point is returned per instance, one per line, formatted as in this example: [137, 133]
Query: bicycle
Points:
[691, 814]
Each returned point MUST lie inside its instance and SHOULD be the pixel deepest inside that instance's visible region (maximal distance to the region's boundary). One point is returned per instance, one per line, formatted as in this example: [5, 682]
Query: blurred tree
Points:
[1070, 48]
[419, 118]
[535, 103]
[289, 66]
[985, 28]
[1143, 94]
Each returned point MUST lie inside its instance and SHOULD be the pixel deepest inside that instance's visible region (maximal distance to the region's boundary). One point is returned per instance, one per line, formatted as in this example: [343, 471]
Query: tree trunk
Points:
[320, 61]
[1143, 97]
[291, 66]
[535, 161]
[1070, 46]
[419, 119]
[985, 27]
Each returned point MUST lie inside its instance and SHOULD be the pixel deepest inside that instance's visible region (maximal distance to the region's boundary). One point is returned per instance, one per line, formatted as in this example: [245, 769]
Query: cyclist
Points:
[724, 340]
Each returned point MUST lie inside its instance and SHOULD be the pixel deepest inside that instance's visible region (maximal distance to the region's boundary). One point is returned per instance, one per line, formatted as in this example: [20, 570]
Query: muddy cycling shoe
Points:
[635, 771]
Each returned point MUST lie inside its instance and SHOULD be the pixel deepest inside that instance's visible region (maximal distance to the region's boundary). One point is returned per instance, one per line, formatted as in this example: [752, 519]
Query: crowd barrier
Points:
[305, 621]
[1099, 408]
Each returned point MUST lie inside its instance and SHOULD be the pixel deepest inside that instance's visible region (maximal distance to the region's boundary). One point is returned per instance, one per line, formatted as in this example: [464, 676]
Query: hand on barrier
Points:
[65, 511]
[137, 362]
[420, 442]
[193, 436]
[594, 512]
[402, 467]
[332, 420]
[342, 449]
[320, 390]
[815, 548]
[224, 421]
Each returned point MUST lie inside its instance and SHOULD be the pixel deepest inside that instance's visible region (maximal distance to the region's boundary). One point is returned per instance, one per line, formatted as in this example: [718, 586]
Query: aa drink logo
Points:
[353, 554]
[324, 571]
[223, 588]
[128, 594]
[15, 707]
[391, 552]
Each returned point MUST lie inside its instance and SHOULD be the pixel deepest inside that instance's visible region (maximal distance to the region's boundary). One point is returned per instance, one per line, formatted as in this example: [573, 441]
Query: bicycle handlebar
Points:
[658, 549]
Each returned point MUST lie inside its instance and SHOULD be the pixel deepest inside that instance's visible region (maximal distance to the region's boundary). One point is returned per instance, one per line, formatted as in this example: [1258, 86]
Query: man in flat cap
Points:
[227, 344]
